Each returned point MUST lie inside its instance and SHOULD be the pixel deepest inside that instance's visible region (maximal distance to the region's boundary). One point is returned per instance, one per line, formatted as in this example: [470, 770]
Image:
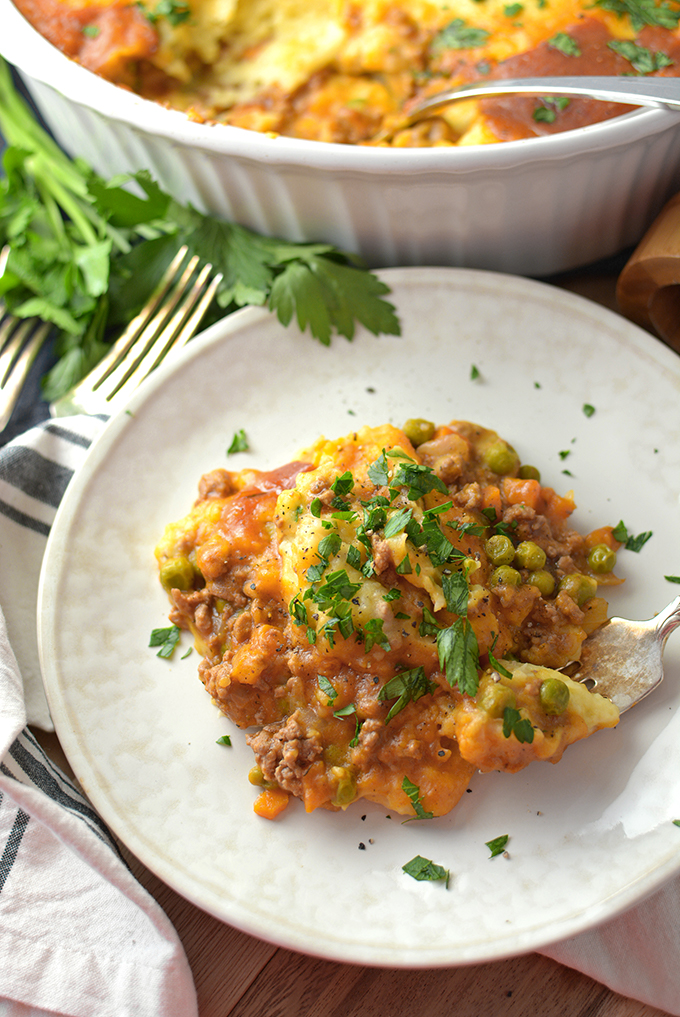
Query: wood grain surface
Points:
[239, 976]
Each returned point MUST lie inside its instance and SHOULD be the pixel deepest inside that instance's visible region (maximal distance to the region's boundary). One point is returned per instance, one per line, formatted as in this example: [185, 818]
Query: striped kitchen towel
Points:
[79, 936]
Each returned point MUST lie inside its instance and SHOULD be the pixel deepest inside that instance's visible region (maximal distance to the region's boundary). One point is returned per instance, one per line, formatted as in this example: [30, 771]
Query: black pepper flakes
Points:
[362, 846]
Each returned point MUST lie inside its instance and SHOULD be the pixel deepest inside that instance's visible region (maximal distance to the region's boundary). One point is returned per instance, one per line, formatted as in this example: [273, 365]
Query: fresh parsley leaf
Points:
[459, 35]
[423, 869]
[588, 409]
[166, 638]
[459, 656]
[224, 740]
[86, 253]
[239, 443]
[413, 791]
[497, 845]
[474, 373]
[406, 687]
[620, 532]
[514, 723]
[672, 579]
[676, 822]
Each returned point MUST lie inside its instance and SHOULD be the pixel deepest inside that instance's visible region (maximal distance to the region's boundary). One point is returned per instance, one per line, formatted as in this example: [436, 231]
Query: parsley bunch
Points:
[86, 253]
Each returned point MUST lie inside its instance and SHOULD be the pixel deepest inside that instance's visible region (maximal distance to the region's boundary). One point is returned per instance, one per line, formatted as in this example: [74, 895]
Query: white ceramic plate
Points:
[588, 837]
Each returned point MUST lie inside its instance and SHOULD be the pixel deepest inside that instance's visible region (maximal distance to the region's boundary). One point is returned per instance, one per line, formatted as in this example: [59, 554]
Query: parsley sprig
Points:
[86, 253]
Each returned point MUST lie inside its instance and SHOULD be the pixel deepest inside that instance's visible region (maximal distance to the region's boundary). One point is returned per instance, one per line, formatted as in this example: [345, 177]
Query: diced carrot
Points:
[603, 535]
[557, 507]
[522, 492]
[491, 498]
[271, 802]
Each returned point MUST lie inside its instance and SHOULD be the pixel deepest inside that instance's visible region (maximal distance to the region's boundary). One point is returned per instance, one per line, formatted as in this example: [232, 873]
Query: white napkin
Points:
[79, 936]
[636, 955]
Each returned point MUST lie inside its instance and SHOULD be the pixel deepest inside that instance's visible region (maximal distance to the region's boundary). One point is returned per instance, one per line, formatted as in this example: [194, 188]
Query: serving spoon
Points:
[623, 660]
[633, 90]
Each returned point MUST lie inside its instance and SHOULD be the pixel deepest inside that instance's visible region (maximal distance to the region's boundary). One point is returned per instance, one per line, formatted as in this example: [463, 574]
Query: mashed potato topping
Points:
[346, 70]
[387, 613]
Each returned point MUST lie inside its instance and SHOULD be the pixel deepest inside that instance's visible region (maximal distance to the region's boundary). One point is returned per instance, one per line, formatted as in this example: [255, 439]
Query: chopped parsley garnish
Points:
[374, 635]
[514, 723]
[239, 443]
[456, 592]
[643, 60]
[459, 35]
[564, 42]
[423, 869]
[512, 10]
[223, 740]
[566, 452]
[549, 108]
[496, 664]
[497, 845]
[92, 31]
[413, 791]
[166, 638]
[459, 656]
[326, 687]
[176, 12]
[588, 409]
[643, 12]
[676, 822]
[672, 579]
[345, 711]
[406, 687]
[630, 542]
[474, 371]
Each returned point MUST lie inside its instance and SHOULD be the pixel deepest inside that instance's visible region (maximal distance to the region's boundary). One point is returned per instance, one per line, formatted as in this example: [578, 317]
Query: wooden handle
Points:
[648, 288]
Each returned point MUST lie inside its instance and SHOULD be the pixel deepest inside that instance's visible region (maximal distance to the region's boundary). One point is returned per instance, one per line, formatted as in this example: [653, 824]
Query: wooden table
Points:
[239, 976]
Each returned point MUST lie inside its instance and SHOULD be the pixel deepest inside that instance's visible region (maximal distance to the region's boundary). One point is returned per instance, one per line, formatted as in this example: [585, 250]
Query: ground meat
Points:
[185, 606]
[469, 497]
[284, 752]
[216, 484]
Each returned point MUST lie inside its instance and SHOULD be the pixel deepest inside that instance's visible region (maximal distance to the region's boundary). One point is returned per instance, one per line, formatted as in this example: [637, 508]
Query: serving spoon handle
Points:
[638, 91]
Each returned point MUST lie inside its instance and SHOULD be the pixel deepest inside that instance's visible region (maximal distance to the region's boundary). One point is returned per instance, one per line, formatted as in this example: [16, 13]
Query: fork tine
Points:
[136, 328]
[19, 342]
[176, 334]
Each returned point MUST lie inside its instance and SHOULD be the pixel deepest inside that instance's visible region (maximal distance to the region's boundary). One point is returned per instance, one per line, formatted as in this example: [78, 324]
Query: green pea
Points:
[579, 587]
[418, 430]
[529, 555]
[543, 580]
[602, 558]
[504, 575]
[500, 458]
[177, 574]
[553, 696]
[500, 549]
[495, 698]
[527, 472]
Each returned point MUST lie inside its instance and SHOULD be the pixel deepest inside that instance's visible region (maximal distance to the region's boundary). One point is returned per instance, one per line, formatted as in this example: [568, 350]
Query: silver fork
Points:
[639, 91]
[171, 316]
[20, 340]
[623, 660]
